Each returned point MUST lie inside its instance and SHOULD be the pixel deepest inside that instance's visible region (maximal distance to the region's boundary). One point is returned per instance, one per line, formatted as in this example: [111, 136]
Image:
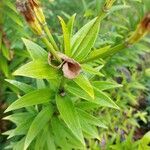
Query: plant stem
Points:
[47, 31]
[51, 49]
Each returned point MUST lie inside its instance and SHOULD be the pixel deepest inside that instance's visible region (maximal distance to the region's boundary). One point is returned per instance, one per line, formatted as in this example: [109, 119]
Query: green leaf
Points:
[101, 99]
[87, 42]
[90, 119]
[14, 17]
[85, 84]
[89, 129]
[105, 85]
[95, 54]
[21, 128]
[11, 6]
[37, 69]
[36, 52]
[30, 99]
[63, 135]
[77, 91]
[66, 35]
[18, 118]
[38, 124]
[80, 35]
[70, 24]
[70, 116]
[144, 142]
[118, 8]
[22, 86]
[92, 71]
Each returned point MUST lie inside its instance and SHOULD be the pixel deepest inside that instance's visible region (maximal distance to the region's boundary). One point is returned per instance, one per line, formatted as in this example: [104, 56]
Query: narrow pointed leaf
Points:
[85, 84]
[105, 85]
[30, 99]
[92, 71]
[70, 116]
[37, 69]
[90, 119]
[22, 86]
[71, 24]
[96, 54]
[38, 124]
[80, 35]
[88, 41]
[66, 36]
[36, 52]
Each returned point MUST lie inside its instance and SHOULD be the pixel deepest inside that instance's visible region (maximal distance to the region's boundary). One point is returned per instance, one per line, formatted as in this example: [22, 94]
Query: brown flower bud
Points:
[145, 23]
[35, 5]
[24, 8]
[142, 29]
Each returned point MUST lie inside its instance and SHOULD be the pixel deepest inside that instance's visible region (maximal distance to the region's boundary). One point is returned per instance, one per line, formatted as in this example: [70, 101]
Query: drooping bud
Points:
[26, 10]
[142, 29]
[35, 5]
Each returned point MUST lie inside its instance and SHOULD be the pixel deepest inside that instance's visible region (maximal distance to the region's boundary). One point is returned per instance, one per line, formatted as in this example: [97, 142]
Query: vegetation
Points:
[74, 74]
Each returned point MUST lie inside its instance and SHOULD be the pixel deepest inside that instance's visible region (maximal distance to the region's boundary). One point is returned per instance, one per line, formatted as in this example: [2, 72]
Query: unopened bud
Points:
[26, 10]
[142, 29]
[35, 5]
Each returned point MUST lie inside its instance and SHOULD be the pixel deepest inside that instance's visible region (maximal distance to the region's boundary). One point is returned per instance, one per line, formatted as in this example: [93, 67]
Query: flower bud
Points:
[26, 10]
[35, 5]
[142, 29]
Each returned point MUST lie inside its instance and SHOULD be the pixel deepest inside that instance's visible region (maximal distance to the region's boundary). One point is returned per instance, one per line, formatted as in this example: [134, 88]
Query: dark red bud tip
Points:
[33, 3]
[146, 22]
[24, 8]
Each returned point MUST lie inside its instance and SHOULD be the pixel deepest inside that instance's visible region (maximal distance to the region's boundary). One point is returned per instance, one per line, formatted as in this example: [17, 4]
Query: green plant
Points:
[59, 111]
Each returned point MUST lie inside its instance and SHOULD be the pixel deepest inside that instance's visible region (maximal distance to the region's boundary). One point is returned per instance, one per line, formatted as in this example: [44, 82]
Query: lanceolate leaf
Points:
[101, 99]
[70, 24]
[22, 86]
[85, 84]
[70, 116]
[36, 52]
[80, 35]
[105, 85]
[88, 41]
[89, 129]
[63, 135]
[38, 124]
[66, 36]
[91, 70]
[90, 119]
[37, 69]
[95, 54]
[30, 99]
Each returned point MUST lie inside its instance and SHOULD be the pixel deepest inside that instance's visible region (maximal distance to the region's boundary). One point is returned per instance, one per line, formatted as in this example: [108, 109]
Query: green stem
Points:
[47, 31]
[51, 49]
